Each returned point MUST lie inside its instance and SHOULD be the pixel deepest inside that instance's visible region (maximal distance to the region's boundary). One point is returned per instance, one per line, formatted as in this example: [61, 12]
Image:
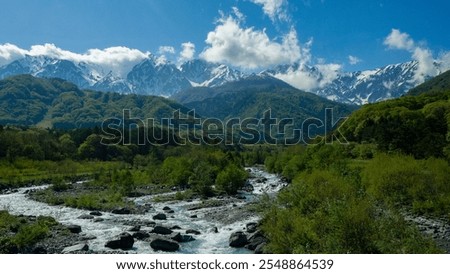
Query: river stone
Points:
[86, 217]
[141, 235]
[175, 227]
[162, 230]
[238, 239]
[121, 211]
[215, 230]
[251, 227]
[160, 216]
[166, 208]
[164, 245]
[76, 248]
[254, 242]
[74, 228]
[124, 241]
[182, 238]
[193, 231]
[96, 213]
[135, 228]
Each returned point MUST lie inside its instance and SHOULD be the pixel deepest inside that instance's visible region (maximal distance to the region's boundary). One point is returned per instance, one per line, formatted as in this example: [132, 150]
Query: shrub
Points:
[231, 179]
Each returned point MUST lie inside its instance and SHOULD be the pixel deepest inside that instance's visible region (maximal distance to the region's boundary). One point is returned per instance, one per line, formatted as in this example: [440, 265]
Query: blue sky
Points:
[351, 34]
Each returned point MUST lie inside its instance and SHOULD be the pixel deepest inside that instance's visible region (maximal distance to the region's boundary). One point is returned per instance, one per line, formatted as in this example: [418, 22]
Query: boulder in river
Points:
[123, 241]
[86, 217]
[193, 231]
[135, 228]
[96, 213]
[175, 227]
[160, 216]
[166, 208]
[74, 228]
[76, 248]
[238, 239]
[121, 211]
[160, 244]
[182, 238]
[141, 235]
[162, 230]
[251, 227]
[255, 240]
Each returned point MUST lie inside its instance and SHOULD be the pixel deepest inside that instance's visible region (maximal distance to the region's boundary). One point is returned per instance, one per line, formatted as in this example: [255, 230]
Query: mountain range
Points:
[155, 76]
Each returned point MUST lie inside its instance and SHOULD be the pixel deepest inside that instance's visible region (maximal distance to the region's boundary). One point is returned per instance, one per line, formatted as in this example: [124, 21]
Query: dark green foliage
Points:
[251, 97]
[29, 101]
[231, 179]
[416, 125]
[19, 234]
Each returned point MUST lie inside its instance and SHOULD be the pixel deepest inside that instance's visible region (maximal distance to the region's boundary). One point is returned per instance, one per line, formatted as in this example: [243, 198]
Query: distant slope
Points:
[27, 100]
[440, 83]
[251, 97]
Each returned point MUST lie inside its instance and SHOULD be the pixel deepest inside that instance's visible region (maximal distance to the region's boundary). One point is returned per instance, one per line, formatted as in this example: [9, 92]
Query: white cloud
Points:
[275, 9]
[399, 40]
[306, 78]
[249, 48]
[166, 49]
[10, 53]
[117, 59]
[353, 60]
[427, 65]
[187, 52]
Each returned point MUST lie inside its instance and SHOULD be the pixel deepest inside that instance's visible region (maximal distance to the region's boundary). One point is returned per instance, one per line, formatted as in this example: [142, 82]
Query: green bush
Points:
[231, 179]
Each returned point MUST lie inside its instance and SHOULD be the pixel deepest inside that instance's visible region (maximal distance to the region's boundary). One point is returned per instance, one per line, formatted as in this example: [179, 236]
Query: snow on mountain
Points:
[358, 88]
[156, 76]
[152, 76]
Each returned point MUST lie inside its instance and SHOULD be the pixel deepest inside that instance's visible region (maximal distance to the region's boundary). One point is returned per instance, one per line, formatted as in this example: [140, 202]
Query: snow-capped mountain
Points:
[152, 76]
[370, 86]
[156, 76]
[359, 87]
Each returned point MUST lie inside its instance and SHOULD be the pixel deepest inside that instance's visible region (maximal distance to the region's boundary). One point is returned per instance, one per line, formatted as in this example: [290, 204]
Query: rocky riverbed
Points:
[216, 225]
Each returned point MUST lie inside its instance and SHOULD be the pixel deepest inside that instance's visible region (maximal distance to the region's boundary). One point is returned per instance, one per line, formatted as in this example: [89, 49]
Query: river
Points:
[227, 218]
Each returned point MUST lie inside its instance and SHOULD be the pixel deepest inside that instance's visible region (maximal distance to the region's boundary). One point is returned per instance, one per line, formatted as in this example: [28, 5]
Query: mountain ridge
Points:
[156, 76]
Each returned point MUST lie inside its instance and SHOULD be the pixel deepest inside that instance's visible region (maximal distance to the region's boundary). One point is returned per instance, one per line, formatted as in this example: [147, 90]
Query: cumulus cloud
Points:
[399, 40]
[187, 52]
[166, 49]
[275, 9]
[427, 65]
[117, 59]
[249, 48]
[353, 60]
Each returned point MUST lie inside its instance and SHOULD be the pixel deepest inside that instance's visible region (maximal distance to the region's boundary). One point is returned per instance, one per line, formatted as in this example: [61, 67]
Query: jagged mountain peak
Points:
[155, 75]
